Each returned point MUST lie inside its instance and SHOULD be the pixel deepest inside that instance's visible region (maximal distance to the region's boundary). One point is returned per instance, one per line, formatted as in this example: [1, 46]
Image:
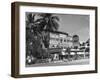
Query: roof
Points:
[57, 32]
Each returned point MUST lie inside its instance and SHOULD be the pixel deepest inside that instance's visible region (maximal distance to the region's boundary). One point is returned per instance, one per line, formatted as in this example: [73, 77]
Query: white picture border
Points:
[53, 69]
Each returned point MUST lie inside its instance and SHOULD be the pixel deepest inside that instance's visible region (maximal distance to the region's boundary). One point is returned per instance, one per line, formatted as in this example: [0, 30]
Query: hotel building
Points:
[60, 40]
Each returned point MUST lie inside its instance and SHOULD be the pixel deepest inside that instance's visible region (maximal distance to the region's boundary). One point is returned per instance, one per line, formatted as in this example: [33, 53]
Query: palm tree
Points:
[33, 35]
[35, 32]
[32, 23]
[48, 22]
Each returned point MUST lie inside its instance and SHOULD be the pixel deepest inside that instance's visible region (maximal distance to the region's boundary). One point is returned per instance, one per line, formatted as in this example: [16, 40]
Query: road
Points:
[60, 63]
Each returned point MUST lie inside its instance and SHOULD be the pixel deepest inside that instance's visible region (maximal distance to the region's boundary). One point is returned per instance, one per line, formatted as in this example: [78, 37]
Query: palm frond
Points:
[55, 25]
[55, 18]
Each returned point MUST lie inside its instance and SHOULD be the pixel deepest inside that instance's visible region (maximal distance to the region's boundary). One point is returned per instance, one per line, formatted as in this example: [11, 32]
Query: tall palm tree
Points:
[48, 22]
[33, 35]
[35, 31]
[32, 23]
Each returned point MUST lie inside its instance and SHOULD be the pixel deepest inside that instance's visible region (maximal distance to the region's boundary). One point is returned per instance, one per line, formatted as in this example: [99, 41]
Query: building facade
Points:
[60, 40]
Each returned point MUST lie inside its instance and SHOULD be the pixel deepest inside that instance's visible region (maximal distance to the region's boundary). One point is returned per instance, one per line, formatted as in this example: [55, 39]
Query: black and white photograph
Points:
[57, 39]
[52, 39]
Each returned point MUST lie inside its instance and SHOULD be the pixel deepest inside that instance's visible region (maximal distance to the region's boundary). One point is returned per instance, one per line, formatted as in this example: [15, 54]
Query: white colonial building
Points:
[60, 40]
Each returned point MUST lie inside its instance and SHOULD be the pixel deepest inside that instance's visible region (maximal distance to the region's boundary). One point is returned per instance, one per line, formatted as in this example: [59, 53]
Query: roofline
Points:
[59, 32]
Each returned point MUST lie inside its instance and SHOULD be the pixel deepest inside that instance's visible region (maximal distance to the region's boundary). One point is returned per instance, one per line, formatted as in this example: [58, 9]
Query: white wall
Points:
[5, 40]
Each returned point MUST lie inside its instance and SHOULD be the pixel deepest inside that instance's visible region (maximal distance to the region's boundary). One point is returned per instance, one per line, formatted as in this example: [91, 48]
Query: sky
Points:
[75, 25]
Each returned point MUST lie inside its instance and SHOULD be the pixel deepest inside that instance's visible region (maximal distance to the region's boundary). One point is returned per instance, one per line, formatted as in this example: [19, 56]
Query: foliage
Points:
[37, 40]
[48, 23]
